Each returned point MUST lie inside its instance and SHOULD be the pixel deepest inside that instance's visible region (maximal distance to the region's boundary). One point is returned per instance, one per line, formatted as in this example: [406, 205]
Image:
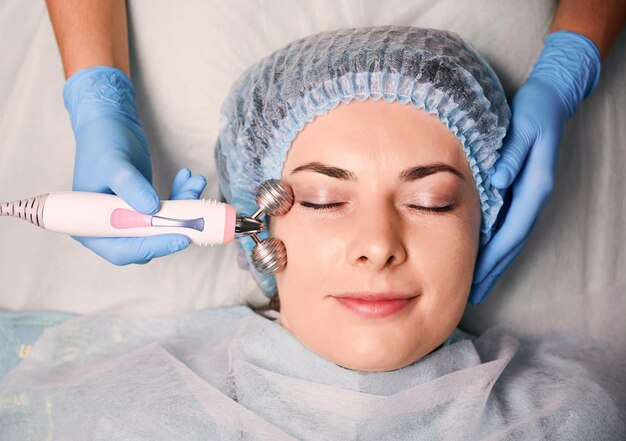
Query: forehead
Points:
[365, 134]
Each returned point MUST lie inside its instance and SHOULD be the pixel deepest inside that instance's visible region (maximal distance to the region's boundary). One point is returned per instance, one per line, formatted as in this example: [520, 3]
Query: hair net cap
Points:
[432, 69]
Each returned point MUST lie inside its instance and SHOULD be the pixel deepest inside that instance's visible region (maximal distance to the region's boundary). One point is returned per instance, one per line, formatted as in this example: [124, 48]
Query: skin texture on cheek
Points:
[373, 239]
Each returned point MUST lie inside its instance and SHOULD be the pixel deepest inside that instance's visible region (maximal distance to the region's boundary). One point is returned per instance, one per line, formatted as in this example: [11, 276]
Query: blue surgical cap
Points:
[432, 69]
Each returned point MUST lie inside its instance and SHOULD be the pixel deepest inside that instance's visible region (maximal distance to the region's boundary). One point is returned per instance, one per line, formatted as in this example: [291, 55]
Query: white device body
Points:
[89, 214]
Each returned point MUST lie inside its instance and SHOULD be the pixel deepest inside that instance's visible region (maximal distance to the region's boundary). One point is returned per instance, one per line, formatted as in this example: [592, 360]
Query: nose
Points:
[377, 240]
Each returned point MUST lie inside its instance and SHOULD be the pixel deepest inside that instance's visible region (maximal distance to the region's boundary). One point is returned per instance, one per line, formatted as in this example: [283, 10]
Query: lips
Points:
[375, 304]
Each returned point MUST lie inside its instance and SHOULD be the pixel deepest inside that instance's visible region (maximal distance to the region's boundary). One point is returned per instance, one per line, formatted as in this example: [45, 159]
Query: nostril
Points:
[390, 260]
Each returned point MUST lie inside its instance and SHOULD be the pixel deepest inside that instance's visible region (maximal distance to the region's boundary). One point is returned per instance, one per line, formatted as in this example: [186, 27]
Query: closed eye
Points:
[432, 209]
[321, 206]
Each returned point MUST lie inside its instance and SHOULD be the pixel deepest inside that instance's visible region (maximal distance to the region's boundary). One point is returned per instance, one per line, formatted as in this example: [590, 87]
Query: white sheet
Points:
[185, 56]
[210, 375]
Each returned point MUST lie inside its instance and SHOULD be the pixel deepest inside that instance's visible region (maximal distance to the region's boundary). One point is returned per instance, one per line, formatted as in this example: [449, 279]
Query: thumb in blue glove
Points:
[566, 72]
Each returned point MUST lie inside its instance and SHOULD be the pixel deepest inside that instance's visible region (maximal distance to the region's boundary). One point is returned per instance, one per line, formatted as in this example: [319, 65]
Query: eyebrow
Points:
[408, 175]
[419, 172]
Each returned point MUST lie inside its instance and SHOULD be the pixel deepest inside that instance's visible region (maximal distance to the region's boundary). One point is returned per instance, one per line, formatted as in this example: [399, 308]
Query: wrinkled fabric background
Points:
[185, 55]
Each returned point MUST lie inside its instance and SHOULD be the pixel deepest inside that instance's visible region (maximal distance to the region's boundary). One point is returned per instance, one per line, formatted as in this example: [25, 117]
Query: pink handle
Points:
[123, 218]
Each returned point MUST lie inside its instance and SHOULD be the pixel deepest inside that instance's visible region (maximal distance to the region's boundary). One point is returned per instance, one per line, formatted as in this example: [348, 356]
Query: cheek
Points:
[446, 246]
[446, 252]
[313, 252]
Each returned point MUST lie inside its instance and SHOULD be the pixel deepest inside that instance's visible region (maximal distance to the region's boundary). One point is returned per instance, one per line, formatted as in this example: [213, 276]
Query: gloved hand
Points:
[112, 157]
[566, 73]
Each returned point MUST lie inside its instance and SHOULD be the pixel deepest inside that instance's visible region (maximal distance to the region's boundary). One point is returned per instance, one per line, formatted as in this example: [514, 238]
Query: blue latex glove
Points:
[566, 73]
[112, 157]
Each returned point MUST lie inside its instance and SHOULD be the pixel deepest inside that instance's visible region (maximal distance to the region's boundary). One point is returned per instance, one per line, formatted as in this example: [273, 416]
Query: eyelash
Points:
[433, 209]
[325, 207]
[321, 206]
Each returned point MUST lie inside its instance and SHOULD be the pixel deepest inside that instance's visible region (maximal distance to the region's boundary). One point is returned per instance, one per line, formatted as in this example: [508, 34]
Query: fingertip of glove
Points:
[500, 179]
[150, 202]
[185, 172]
[180, 244]
[199, 181]
[153, 205]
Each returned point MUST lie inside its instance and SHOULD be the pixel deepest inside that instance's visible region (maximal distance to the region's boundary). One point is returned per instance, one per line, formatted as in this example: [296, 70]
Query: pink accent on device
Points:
[229, 224]
[123, 218]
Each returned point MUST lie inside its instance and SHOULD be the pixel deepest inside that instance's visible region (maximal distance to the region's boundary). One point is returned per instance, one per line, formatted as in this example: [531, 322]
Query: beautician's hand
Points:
[566, 72]
[112, 157]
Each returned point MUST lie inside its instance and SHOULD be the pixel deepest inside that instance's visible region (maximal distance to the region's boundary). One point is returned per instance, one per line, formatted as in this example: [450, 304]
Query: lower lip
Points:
[380, 308]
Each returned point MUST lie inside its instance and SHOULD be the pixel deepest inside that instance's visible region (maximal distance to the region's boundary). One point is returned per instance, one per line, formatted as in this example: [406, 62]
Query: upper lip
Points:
[376, 296]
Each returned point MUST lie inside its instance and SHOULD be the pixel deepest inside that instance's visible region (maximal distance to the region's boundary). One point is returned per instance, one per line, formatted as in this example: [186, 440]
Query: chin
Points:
[374, 356]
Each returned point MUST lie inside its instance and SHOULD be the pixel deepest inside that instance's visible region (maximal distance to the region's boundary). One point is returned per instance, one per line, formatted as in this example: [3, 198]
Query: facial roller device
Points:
[205, 222]
[76, 213]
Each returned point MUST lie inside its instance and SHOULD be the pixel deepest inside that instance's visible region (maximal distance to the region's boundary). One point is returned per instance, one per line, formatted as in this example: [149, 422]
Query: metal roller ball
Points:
[269, 256]
[274, 197]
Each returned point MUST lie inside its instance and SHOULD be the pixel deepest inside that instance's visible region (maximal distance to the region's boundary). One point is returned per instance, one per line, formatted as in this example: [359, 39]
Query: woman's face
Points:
[384, 203]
